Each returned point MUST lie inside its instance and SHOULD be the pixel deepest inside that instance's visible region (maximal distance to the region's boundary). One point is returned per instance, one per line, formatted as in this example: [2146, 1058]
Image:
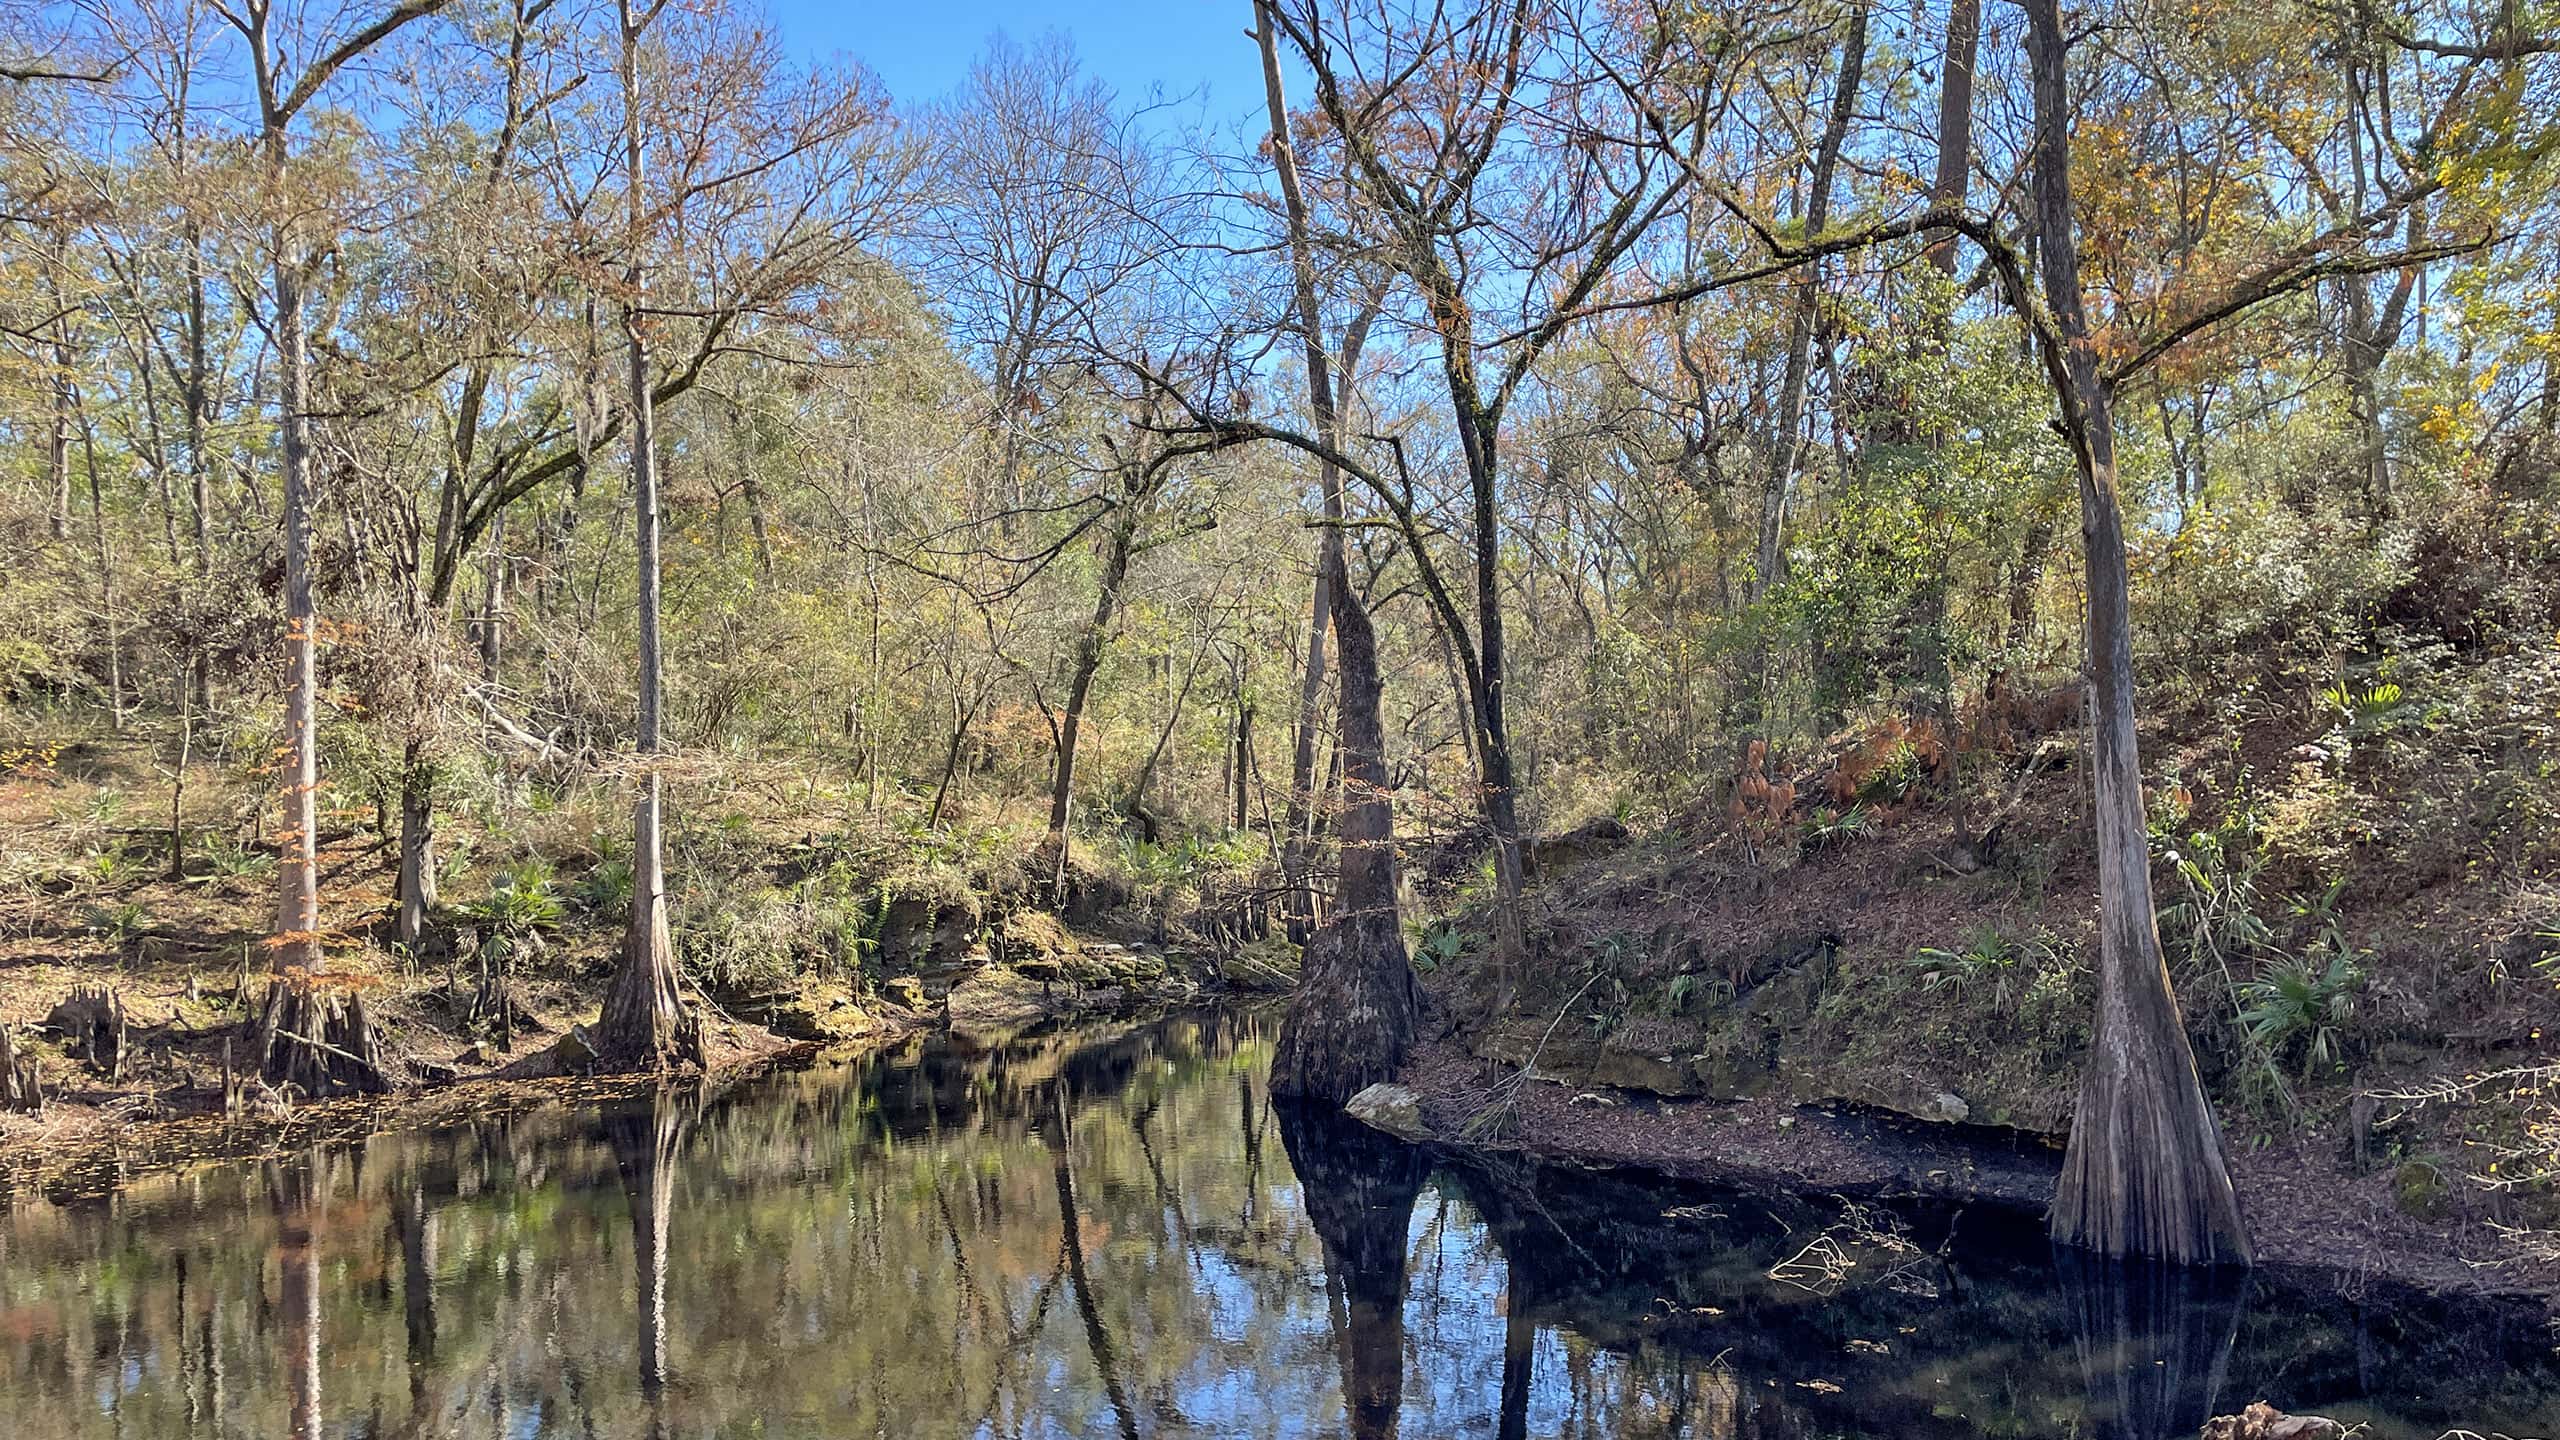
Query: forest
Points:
[1779, 590]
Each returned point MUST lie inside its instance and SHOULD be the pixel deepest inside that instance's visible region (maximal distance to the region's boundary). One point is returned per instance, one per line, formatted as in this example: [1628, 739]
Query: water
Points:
[1110, 1233]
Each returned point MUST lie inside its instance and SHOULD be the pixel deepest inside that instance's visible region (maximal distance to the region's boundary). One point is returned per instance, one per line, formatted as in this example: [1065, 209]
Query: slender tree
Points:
[2144, 1174]
[310, 1039]
[645, 1023]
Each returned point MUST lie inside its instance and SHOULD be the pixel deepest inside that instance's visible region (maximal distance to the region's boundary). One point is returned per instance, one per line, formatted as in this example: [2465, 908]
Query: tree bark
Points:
[2144, 1174]
[1295, 847]
[1786, 453]
[493, 600]
[1118, 546]
[1351, 1020]
[418, 888]
[1955, 121]
[297, 928]
[644, 1025]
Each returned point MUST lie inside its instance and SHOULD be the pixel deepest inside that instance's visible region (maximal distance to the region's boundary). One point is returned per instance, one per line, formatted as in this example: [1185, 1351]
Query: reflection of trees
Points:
[1054, 1133]
[644, 1138]
[295, 1187]
[1359, 1187]
[902, 1267]
[2154, 1341]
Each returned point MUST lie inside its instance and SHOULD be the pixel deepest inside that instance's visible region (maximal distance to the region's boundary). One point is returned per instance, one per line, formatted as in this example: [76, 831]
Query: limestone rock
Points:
[996, 998]
[2262, 1421]
[1392, 1108]
[575, 1050]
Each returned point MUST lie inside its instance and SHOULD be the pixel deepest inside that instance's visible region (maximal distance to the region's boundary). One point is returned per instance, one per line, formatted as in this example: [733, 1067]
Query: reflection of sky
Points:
[824, 1281]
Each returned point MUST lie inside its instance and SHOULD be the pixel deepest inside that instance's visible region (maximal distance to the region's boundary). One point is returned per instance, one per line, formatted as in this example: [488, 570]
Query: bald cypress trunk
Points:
[645, 1025]
[2144, 1175]
[1351, 1020]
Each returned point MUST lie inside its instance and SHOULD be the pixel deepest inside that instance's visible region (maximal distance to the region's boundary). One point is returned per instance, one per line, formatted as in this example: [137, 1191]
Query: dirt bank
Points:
[2304, 1217]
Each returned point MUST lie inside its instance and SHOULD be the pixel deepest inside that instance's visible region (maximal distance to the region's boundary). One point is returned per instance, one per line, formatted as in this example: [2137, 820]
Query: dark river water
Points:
[1110, 1232]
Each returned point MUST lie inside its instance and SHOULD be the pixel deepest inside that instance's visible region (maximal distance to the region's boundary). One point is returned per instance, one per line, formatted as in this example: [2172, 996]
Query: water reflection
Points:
[1359, 1188]
[2155, 1343]
[1097, 1234]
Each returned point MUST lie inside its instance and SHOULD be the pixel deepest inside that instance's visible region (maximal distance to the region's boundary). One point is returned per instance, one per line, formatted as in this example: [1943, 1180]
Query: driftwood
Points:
[20, 1089]
[92, 1026]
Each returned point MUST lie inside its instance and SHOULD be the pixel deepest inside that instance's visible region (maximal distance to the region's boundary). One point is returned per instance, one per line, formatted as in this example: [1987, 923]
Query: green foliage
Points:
[1987, 957]
[1826, 828]
[220, 857]
[117, 924]
[2300, 1003]
[1683, 986]
[522, 899]
[1439, 944]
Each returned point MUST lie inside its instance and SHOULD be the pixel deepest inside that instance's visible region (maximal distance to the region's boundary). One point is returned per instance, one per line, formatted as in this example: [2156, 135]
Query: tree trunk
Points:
[644, 1025]
[742, 437]
[2144, 1174]
[1351, 1019]
[1786, 452]
[58, 436]
[1300, 907]
[297, 929]
[417, 845]
[199, 414]
[1955, 121]
[493, 599]
[1118, 546]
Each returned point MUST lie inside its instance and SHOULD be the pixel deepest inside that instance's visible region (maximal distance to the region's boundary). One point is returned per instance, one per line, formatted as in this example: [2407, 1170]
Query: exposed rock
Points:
[475, 1058]
[825, 1018]
[1550, 855]
[434, 1072]
[576, 1050]
[907, 990]
[1585, 1061]
[1392, 1108]
[2262, 1421]
[998, 997]
[927, 931]
[1267, 964]
[2418, 1188]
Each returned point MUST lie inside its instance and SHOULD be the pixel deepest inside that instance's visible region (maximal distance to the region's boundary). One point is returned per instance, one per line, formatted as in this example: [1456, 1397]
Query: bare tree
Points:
[311, 1040]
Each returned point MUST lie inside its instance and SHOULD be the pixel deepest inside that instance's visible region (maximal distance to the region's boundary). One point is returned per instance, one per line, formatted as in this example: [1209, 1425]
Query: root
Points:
[20, 1089]
[317, 1039]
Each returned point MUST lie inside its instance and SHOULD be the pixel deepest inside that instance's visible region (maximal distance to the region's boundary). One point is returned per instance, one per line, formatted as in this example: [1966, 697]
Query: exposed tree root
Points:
[316, 1038]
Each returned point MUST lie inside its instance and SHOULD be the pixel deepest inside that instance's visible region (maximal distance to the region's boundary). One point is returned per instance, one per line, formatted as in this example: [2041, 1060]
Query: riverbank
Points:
[91, 1140]
[149, 886]
[2317, 1227]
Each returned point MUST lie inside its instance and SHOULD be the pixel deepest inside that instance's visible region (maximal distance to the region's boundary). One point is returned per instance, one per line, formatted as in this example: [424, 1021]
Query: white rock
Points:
[1391, 1108]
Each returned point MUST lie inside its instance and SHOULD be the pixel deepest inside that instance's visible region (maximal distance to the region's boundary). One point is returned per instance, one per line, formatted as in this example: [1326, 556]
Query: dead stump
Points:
[314, 1036]
[92, 1026]
[20, 1089]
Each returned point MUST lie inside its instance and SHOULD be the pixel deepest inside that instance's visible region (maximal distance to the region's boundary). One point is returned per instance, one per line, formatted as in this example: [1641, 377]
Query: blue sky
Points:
[923, 48]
